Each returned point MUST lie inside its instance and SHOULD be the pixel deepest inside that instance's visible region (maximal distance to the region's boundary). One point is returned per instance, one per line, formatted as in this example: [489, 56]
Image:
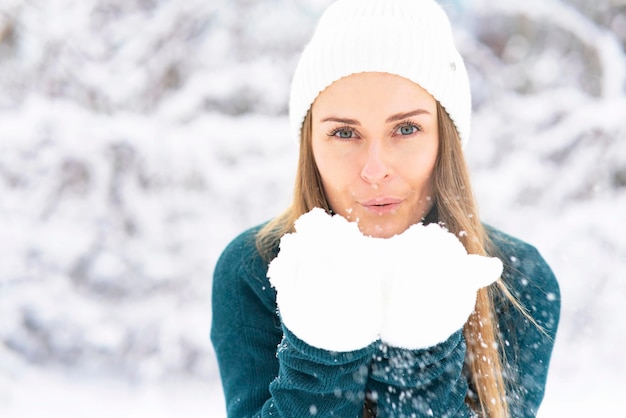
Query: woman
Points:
[402, 303]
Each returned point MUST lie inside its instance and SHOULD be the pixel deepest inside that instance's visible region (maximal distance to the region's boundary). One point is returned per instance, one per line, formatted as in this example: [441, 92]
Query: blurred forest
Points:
[137, 137]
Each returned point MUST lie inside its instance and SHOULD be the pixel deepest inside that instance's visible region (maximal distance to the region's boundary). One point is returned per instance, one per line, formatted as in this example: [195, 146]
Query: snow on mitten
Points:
[327, 289]
[431, 290]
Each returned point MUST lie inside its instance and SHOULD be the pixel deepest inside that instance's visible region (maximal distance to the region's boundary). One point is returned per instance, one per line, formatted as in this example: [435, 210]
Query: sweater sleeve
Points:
[528, 338]
[421, 383]
[264, 368]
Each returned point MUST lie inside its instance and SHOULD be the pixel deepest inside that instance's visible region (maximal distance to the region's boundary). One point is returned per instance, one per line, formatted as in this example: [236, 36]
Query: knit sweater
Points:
[267, 371]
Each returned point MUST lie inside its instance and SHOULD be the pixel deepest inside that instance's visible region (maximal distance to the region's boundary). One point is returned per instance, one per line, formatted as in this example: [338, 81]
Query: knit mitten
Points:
[431, 289]
[328, 285]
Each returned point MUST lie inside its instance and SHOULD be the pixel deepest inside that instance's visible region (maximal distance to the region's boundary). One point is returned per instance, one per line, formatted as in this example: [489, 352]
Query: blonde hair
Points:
[457, 210]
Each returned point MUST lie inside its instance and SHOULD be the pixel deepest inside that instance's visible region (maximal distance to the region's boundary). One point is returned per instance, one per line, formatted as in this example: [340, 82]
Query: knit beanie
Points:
[409, 38]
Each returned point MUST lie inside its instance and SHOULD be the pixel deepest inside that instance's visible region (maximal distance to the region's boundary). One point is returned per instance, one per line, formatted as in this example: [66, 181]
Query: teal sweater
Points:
[267, 371]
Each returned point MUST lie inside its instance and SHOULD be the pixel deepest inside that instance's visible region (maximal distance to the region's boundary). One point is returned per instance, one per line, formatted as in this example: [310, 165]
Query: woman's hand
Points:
[431, 290]
[328, 283]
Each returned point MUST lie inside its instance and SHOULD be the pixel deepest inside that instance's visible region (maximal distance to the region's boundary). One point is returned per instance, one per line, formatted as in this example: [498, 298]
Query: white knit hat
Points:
[409, 38]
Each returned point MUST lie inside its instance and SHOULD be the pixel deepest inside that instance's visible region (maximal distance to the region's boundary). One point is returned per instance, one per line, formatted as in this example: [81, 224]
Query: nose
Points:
[377, 167]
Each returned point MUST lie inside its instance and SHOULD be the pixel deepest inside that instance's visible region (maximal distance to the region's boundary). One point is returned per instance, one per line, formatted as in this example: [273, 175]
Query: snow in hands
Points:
[340, 290]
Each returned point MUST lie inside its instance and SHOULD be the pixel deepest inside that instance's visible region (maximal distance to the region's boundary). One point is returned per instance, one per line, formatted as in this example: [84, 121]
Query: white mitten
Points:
[328, 289]
[431, 290]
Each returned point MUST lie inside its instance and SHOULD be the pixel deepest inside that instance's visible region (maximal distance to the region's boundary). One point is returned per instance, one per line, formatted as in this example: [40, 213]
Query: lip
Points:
[382, 205]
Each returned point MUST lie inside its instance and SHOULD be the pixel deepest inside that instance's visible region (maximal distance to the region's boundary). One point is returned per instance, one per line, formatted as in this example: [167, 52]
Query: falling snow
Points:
[137, 138]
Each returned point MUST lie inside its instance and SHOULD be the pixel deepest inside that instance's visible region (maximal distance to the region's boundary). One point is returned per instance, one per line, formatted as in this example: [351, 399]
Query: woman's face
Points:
[375, 141]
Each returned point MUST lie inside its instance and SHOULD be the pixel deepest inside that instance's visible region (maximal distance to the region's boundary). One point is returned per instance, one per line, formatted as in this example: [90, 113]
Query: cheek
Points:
[334, 168]
[420, 174]
[417, 162]
[338, 176]
[333, 176]
[426, 169]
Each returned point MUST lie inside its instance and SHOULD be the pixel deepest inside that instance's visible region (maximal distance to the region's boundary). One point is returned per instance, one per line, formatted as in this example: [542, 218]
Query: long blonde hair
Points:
[458, 212]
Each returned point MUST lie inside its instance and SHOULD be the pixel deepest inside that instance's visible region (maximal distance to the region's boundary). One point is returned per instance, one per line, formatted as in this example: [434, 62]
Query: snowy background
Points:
[137, 137]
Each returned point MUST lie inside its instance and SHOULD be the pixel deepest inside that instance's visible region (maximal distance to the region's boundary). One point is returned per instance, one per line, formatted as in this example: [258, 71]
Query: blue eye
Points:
[343, 133]
[407, 130]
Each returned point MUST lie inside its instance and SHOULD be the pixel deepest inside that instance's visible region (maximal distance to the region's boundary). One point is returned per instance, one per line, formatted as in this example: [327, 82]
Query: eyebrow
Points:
[400, 116]
[393, 118]
[341, 120]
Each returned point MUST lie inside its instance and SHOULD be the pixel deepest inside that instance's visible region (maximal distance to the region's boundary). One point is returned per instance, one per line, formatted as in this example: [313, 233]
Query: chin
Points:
[378, 230]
